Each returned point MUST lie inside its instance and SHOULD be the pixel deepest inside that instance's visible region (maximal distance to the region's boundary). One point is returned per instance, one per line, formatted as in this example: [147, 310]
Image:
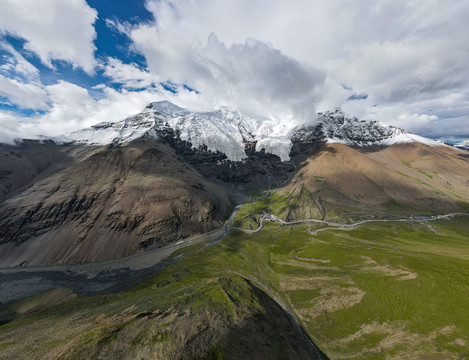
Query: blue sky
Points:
[108, 42]
[69, 64]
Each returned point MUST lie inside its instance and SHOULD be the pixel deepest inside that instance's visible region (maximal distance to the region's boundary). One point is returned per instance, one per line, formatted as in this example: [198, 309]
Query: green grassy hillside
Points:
[382, 291]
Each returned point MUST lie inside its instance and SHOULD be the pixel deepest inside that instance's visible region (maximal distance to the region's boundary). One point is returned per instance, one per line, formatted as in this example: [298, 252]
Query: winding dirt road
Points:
[120, 274]
[338, 226]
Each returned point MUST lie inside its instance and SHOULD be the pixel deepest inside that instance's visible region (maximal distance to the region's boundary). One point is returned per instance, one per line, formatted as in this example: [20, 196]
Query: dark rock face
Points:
[306, 141]
[18, 226]
[264, 170]
[129, 196]
[84, 200]
[99, 203]
[28, 161]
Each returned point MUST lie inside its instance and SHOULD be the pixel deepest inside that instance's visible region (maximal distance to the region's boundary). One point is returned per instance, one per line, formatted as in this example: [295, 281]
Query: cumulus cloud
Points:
[251, 76]
[19, 81]
[53, 29]
[12, 128]
[403, 55]
[29, 96]
[15, 65]
[442, 116]
[130, 76]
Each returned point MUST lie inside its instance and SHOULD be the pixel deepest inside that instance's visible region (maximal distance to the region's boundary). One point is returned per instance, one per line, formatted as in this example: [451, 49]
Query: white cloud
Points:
[443, 116]
[403, 55]
[130, 76]
[29, 96]
[12, 128]
[53, 29]
[15, 65]
[73, 108]
[19, 81]
[393, 71]
[251, 76]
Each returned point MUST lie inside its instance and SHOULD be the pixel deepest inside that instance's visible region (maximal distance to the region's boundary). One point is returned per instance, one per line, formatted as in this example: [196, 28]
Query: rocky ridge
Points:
[335, 126]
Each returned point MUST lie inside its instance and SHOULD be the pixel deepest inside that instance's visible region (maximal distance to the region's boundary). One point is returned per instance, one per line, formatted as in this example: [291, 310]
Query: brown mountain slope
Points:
[30, 161]
[114, 202]
[409, 178]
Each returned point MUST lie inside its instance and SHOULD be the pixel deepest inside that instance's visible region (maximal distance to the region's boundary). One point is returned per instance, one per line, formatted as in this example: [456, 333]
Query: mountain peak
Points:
[165, 107]
[336, 126]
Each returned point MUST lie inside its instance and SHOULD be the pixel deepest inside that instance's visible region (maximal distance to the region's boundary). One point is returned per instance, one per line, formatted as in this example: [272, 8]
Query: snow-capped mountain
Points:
[338, 127]
[460, 142]
[220, 130]
[230, 132]
[117, 132]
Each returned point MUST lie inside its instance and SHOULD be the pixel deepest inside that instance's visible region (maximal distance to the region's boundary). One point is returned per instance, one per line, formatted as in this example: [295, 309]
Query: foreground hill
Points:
[383, 290]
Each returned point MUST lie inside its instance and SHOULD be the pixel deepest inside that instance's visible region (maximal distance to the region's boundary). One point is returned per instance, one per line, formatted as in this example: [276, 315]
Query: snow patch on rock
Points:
[341, 128]
[117, 132]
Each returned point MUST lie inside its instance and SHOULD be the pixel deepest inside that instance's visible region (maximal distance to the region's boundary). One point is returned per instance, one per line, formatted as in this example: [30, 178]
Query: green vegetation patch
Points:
[413, 178]
[298, 204]
[270, 202]
[425, 173]
[383, 290]
[464, 206]
[407, 163]
[4, 345]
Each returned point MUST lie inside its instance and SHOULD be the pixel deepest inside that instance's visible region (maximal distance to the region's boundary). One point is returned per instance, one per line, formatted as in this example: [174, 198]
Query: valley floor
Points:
[383, 290]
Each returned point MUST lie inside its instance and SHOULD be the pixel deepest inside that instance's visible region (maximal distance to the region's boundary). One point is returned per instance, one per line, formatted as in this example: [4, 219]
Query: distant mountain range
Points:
[228, 132]
[461, 142]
